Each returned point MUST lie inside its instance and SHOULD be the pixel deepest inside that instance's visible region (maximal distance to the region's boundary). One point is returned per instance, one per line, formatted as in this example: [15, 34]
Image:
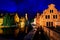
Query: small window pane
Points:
[48, 16]
[54, 16]
[52, 11]
[47, 24]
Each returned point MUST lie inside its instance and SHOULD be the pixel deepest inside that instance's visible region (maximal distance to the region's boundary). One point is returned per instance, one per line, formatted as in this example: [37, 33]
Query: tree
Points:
[8, 20]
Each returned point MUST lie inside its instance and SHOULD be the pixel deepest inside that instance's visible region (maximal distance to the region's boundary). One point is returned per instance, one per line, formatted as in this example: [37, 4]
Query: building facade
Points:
[16, 18]
[50, 17]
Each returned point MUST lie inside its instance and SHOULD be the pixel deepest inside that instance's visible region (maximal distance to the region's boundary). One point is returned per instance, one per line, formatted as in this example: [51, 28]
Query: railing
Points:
[51, 34]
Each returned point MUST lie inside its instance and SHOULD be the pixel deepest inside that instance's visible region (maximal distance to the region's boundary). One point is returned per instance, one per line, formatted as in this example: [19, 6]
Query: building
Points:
[22, 23]
[1, 22]
[38, 20]
[50, 17]
[1, 19]
[16, 18]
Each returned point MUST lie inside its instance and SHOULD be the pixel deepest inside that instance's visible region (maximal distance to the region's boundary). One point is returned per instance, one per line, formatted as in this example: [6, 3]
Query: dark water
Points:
[20, 36]
[40, 36]
[9, 34]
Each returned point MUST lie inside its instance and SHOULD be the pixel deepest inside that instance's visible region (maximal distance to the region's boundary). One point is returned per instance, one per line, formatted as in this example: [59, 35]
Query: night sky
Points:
[29, 6]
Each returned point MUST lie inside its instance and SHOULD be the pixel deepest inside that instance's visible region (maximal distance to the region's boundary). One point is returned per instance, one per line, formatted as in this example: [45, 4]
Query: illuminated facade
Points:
[16, 18]
[50, 17]
[1, 21]
[22, 23]
[37, 19]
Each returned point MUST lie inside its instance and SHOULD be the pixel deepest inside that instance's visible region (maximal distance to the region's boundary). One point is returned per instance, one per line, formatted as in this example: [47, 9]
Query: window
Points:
[46, 23]
[55, 16]
[47, 16]
[49, 24]
[51, 11]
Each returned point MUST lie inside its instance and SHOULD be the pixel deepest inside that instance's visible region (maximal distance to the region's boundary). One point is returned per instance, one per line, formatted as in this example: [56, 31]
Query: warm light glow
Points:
[41, 19]
[1, 21]
[16, 18]
[1, 31]
[38, 19]
[22, 22]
